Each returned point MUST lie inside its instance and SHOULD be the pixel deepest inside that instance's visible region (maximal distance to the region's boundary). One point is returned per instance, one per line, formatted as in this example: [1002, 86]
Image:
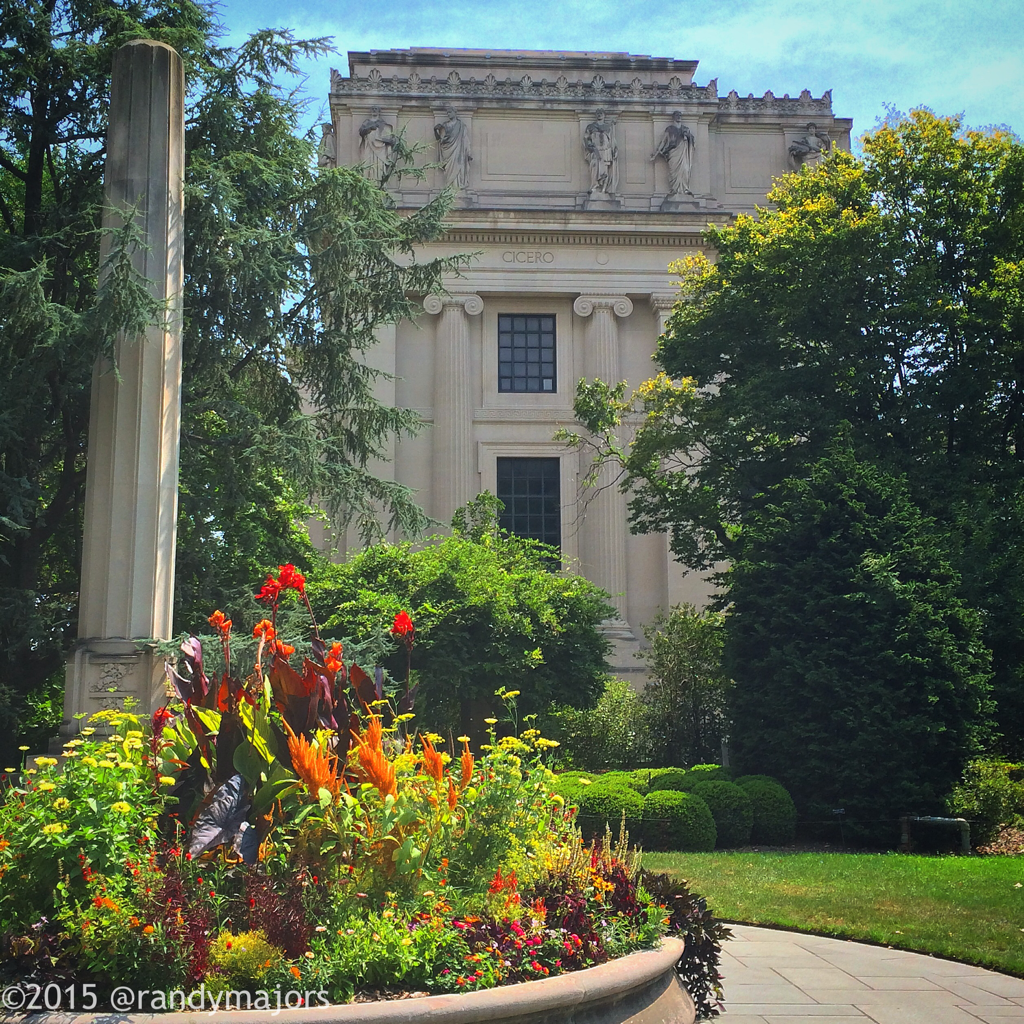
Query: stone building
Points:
[580, 177]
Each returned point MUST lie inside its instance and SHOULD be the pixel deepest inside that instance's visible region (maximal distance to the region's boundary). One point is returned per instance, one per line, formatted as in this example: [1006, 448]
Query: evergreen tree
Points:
[861, 678]
[288, 273]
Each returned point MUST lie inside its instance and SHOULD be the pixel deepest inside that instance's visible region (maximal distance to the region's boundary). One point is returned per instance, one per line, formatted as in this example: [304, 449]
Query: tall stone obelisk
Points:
[131, 491]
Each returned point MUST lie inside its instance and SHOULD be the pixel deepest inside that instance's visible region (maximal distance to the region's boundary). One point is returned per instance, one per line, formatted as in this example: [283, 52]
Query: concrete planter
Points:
[641, 988]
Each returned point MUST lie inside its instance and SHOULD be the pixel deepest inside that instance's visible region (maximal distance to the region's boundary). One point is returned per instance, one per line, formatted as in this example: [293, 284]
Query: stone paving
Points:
[776, 977]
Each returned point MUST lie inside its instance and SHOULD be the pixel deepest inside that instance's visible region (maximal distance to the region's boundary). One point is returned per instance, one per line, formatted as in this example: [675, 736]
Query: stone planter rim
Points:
[574, 990]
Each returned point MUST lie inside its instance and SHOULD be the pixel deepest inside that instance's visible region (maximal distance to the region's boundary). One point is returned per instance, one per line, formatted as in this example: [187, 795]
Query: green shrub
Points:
[744, 779]
[774, 811]
[669, 778]
[991, 794]
[643, 777]
[677, 821]
[603, 803]
[709, 772]
[623, 779]
[731, 807]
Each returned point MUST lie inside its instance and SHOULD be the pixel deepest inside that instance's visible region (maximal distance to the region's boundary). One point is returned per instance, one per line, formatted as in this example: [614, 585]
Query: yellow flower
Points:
[62, 803]
[491, 721]
[52, 830]
[167, 780]
[44, 762]
[88, 732]
[89, 762]
[407, 941]
[106, 764]
[23, 748]
[45, 787]
[121, 807]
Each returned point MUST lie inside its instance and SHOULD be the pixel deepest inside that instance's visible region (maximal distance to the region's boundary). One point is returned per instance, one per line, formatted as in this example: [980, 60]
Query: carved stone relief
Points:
[809, 149]
[376, 144]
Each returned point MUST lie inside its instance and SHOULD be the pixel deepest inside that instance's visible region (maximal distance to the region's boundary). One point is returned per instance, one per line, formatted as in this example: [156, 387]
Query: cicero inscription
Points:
[527, 256]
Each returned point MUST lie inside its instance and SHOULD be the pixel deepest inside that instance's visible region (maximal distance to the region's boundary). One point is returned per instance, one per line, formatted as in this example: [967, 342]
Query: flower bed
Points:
[290, 832]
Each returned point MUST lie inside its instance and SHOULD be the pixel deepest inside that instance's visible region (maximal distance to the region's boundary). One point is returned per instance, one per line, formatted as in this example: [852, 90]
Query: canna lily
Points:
[220, 623]
[403, 626]
[264, 630]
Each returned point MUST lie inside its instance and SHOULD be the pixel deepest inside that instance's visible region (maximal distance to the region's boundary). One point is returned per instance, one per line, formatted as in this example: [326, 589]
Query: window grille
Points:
[526, 353]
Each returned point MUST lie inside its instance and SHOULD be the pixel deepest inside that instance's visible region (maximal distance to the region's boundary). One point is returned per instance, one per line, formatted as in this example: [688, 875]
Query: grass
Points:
[965, 908]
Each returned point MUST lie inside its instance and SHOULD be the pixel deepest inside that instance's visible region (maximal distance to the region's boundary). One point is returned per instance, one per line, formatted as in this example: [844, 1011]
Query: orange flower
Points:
[314, 765]
[279, 647]
[333, 660]
[467, 766]
[453, 795]
[264, 629]
[375, 766]
[148, 930]
[296, 973]
[432, 761]
[221, 624]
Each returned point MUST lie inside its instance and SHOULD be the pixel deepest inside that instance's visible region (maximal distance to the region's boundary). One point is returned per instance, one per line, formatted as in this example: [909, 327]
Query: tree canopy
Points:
[289, 271]
[880, 300]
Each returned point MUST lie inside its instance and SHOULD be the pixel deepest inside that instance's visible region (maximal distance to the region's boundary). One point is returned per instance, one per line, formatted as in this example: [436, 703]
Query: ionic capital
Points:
[662, 302]
[618, 304]
[472, 305]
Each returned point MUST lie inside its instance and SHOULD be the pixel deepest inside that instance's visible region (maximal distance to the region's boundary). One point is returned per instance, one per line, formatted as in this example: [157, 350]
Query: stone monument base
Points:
[102, 673]
[602, 201]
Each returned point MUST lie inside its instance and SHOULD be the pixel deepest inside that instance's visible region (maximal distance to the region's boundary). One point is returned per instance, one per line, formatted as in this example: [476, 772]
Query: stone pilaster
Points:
[127, 588]
[455, 477]
[604, 526]
[661, 304]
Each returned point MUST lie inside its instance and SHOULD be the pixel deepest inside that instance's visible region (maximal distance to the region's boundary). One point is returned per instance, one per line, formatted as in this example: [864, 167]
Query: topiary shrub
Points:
[774, 811]
[707, 772]
[731, 807]
[669, 778]
[603, 803]
[621, 779]
[677, 821]
[744, 779]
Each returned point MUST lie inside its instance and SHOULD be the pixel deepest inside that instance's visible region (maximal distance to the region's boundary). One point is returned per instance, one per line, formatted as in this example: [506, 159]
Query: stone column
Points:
[456, 479]
[604, 525]
[661, 304]
[127, 588]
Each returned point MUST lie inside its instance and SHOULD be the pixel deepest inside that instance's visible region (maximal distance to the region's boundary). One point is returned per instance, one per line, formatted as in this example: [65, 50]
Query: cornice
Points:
[595, 91]
[589, 239]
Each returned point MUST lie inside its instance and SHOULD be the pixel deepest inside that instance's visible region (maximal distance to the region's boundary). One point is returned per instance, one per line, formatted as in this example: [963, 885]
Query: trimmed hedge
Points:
[621, 779]
[709, 773]
[677, 821]
[774, 811]
[603, 803]
[732, 809]
[669, 778]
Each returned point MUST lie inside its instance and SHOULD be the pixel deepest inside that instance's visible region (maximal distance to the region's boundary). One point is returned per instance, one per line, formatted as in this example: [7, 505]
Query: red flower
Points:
[289, 578]
[160, 718]
[333, 662]
[220, 623]
[270, 592]
[403, 625]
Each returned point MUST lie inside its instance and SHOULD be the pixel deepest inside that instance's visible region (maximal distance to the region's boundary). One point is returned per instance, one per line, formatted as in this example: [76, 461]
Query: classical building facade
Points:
[580, 177]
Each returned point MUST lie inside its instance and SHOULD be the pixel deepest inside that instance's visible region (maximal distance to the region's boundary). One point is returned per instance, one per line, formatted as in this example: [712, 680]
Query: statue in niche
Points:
[677, 146]
[453, 149]
[376, 142]
[602, 155]
[809, 150]
[327, 153]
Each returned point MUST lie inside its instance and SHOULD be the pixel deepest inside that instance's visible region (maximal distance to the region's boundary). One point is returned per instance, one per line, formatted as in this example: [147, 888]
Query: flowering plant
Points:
[292, 828]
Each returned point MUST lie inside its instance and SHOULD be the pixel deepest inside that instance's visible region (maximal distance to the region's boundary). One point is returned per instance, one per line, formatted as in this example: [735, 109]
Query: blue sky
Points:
[953, 57]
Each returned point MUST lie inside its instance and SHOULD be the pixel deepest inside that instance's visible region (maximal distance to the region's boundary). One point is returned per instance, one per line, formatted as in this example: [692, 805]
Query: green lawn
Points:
[966, 908]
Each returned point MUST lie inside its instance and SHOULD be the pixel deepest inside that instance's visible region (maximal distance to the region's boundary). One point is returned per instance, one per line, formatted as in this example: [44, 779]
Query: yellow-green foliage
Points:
[244, 957]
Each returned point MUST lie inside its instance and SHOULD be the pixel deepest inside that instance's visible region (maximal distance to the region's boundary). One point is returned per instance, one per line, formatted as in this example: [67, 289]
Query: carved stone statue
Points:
[809, 150]
[327, 154]
[602, 155]
[677, 147]
[376, 142]
[453, 149]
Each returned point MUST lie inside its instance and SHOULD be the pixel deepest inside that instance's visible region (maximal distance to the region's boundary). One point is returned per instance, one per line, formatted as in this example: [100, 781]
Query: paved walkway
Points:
[775, 977]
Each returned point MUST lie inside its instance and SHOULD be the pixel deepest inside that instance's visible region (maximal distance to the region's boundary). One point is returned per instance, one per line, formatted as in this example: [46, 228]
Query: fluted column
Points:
[127, 589]
[604, 526]
[455, 474]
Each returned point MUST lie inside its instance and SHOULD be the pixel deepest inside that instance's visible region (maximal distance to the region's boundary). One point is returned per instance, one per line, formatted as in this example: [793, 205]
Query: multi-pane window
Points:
[530, 490]
[526, 353]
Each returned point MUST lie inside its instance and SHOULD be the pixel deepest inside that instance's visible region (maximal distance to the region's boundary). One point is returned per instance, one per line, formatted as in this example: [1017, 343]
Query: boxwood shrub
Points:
[732, 809]
[621, 779]
[677, 821]
[604, 802]
[709, 772]
[668, 778]
[774, 811]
